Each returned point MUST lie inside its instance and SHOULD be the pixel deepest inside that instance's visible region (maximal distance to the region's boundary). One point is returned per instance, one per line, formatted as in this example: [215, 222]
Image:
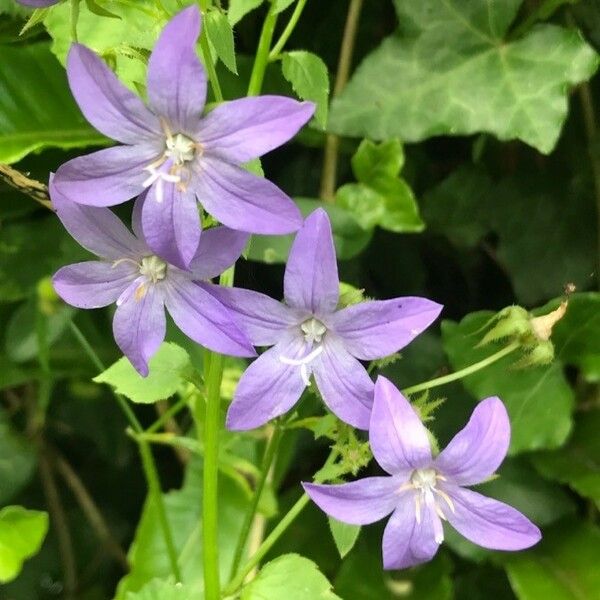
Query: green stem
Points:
[262, 53]
[148, 464]
[277, 532]
[267, 461]
[482, 364]
[74, 19]
[332, 144]
[287, 32]
[212, 422]
[171, 412]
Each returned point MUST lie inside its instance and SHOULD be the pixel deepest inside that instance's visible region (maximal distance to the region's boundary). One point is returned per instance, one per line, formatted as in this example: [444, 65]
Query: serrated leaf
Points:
[238, 9]
[36, 107]
[451, 70]
[310, 79]
[168, 368]
[292, 577]
[38, 15]
[161, 590]
[577, 463]
[539, 400]
[220, 35]
[564, 566]
[21, 535]
[344, 535]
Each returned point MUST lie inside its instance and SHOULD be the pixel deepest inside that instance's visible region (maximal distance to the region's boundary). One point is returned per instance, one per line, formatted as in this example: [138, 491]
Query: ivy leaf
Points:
[451, 70]
[310, 79]
[220, 34]
[168, 367]
[238, 9]
[382, 197]
[36, 107]
[292, 577]
[21, 535]
[577, 463]
[539, 400]
[564, 566]
[344, 535]
[160, 589]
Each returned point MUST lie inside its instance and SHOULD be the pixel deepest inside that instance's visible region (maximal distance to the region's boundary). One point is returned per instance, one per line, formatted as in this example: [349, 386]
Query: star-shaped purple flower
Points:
[176, 154]
[310, 335]
[423, 491]
[142, 283]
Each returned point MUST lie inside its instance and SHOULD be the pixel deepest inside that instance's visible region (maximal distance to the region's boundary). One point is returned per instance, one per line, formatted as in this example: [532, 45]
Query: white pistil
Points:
[303, 363]
[424, 484]
[313, 331]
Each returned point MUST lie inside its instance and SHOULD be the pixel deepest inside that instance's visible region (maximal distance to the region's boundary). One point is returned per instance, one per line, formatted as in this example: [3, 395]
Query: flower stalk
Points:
[262, 53]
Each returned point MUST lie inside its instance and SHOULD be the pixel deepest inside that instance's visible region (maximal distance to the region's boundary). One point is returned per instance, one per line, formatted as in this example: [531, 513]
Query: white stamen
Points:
[313, 330]
[424, 484]
[303, 363]
[153, 268]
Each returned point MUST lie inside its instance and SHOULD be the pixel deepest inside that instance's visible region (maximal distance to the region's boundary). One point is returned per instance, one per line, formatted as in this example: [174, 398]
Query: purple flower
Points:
[142, 283]
[174, 152]
[423, 491]
[310, 336]
[38, 3]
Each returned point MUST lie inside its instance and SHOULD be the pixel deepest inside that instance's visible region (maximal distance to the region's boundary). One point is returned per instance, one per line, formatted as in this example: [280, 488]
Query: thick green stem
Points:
[262, 53]
[278, 531]
[482, 364]
[267, 461]
[148, 464]
[212, 423]
[287, 32]
[74, 19]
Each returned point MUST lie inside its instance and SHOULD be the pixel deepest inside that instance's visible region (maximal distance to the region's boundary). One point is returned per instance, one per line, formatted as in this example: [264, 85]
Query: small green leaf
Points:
[38, 15]
[577, 463]
[372, 161]
[564, 566]
[168, 367]
[310, 79]
[96, 9]
[363, 202]
[220, 35]
[21, 535]
[281, 5]
[238, 9]
[344, 535]
[160, 589]
[292, 577]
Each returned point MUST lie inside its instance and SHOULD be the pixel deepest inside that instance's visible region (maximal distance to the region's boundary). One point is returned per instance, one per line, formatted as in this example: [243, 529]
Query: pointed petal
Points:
[311, 276]
[381, 327]
[106, 177]
[398, 438]
[477, 451]
[97, 229]
[105, 102]
[203, 318]
[244, 129]
[406, 542]
[262, 319]
[171, 223]
[176, 78]
[344, 384]
[139, 324]
[359, 502]
[268, 388]
[489, 523]
[136, 217]
[219, 248]
[93, 284]
[244, 201]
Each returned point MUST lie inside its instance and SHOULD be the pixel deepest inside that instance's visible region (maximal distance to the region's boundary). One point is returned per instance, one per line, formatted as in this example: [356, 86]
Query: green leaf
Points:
[539, 400]
[344, 535]
[292, 577]
[564, 566]
[160, 589]
[220, 35]
[148, 555]
[578, 463]
[36, 108]
[238, 9]
[349, 238]
[382, 197]
[14, 9]
[168, 367]
[281, 5]
[21, 535]
[436, 76]
[310, 79]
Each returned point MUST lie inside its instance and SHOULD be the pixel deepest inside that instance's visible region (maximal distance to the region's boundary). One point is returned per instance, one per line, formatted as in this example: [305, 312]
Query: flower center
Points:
[423, 483]
[313, 330]
[180, 148]
[154, 268]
